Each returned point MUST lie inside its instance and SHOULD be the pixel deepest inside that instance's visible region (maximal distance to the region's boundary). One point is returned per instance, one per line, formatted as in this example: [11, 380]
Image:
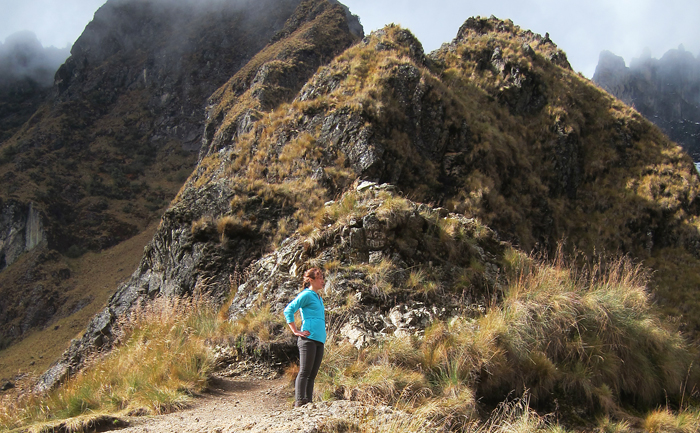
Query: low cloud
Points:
[23, 57]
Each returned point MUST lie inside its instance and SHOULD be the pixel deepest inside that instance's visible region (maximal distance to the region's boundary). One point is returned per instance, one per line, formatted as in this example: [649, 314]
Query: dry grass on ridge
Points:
[550, 334]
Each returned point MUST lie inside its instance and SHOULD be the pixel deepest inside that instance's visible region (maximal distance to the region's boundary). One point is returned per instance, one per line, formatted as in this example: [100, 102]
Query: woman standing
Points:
[312, 335]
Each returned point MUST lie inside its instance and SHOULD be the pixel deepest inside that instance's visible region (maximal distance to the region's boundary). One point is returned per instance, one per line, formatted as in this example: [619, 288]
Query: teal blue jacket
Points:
[313, 315]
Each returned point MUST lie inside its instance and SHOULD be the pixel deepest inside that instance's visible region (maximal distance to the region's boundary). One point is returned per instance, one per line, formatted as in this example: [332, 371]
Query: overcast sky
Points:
[582, 28]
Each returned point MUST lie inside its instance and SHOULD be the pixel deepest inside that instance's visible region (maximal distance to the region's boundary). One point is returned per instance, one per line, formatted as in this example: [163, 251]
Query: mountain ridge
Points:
[106, 154]
[384, 111]
[666, 91]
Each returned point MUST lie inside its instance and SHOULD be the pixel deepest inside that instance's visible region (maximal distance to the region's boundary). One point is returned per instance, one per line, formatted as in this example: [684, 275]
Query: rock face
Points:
[392, 266]
[493, 128]
[21, 230]
[666, 91]
[177, 53]
[189, 250]
[126, 112]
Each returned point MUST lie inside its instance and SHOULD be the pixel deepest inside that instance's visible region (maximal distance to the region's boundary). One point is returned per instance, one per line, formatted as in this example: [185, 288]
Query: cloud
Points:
[22, 56]
[55, 23]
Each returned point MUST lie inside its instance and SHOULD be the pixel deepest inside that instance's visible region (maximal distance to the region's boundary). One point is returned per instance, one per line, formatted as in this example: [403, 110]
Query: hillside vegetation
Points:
[494, 125]
[504, 242]
[585, 346]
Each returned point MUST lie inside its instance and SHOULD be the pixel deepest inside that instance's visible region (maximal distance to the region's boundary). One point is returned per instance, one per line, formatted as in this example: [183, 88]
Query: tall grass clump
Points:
[663, 420]
[586, 339]
[258, 327]
[160, 360]
[590, 336]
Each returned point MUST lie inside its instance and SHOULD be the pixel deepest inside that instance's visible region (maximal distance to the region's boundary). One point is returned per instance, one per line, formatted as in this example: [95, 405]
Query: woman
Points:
[312, 335]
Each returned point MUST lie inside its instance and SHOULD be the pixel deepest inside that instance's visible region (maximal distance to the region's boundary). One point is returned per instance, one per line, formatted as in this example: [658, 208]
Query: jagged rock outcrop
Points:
[21, 230]
[177, 53]
[189, 250]
[392, 266]
[494, 127]
[666, 91]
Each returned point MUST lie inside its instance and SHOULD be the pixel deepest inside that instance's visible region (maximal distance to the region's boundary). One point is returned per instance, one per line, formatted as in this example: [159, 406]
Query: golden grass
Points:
[258, 326]
[590, 339]
[161, 360]
[663, 420]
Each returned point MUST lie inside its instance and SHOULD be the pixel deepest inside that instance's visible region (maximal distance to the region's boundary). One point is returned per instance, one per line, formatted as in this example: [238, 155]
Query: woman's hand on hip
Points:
[297, 332]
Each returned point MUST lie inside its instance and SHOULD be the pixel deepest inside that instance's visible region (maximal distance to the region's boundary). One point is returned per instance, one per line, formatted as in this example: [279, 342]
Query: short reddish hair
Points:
[311, 274]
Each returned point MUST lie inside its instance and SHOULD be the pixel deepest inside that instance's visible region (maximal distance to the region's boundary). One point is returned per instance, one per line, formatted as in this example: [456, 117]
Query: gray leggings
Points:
[310, 356]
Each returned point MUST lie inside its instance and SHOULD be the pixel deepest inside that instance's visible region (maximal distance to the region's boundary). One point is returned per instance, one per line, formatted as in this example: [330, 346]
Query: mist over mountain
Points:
[666, 91]
[22, 56]
[26, 75]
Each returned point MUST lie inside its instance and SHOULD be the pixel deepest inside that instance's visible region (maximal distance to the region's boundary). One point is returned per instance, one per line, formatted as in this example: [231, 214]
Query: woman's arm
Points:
[289, 311]
[296, 332]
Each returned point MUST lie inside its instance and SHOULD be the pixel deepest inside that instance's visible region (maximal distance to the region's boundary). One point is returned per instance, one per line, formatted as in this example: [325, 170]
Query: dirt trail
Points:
[231, 405]
[258, 405]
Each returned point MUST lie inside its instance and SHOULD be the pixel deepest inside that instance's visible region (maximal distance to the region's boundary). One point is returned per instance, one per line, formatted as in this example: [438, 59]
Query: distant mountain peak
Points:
[23, 57]
[666, 91]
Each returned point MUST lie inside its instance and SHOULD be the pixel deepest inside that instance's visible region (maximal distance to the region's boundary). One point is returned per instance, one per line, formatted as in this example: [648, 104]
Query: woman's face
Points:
[317, 283]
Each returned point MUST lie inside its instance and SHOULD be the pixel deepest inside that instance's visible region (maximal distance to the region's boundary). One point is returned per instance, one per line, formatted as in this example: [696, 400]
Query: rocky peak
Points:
[479, 26]
[493, 129]
[614, 73]
[666, 91]
[313, 35]
[120, 135]
[180, 52]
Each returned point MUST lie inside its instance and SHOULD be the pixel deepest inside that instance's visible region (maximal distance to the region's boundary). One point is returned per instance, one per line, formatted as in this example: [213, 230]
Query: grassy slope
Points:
[95, 278]
[117, 180]
[587, 346]
[630, 181]
[582, 167]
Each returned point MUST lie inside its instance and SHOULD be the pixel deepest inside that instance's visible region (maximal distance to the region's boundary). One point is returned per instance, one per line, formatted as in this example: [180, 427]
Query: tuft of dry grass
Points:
[258, 326]
[159, 362]
[591, 339]
[663, 420]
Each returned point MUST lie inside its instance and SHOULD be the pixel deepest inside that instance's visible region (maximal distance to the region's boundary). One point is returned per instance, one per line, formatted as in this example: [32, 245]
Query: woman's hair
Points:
[309, 275]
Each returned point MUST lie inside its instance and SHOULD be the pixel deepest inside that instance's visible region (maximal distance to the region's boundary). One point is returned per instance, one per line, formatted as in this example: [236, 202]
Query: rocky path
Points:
[231, 405]
[256, 405]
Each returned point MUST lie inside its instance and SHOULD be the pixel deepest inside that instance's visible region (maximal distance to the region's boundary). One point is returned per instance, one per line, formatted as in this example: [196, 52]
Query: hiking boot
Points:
[300, 403]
